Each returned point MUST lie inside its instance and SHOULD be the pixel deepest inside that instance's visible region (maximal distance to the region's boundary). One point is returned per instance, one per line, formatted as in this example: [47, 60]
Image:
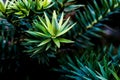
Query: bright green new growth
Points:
[43, 4]
[23, 8]
[50, 32]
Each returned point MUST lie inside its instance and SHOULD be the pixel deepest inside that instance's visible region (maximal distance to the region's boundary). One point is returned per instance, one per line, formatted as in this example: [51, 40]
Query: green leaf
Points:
[2, 7]
[65, 30]
[74, 67]
[40, 27]
[101, 78]
[64, 24]
[114, 74]
[50, 27]
[54, 17]
[94, 34]
[56, 26]
[48, 46]
[47, 28]
[37, 50]
[25, 12]
[49, 6]
[6, 3]
[72, 7]
[38, 4]
[76, 73]
[102, 71]
[44, 42]
[92, 73]
[65, 40]
[46, 3]
[37, 34]
[72, 76]
[57, 42]
[19, 13]
[61, 19]
[29, 41]
[70, 60]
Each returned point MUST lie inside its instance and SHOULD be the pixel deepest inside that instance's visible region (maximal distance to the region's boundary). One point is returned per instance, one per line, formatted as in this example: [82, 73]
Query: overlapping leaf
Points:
[49, 32]
[90, 66]
[89, 20]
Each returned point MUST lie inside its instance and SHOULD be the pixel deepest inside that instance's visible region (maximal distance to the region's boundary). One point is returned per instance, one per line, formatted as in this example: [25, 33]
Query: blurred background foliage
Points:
[60, 39]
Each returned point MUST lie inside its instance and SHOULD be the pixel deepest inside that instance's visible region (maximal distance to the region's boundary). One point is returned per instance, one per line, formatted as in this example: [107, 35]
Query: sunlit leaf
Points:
[65, 40]
[57, 42]
[44, 42]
